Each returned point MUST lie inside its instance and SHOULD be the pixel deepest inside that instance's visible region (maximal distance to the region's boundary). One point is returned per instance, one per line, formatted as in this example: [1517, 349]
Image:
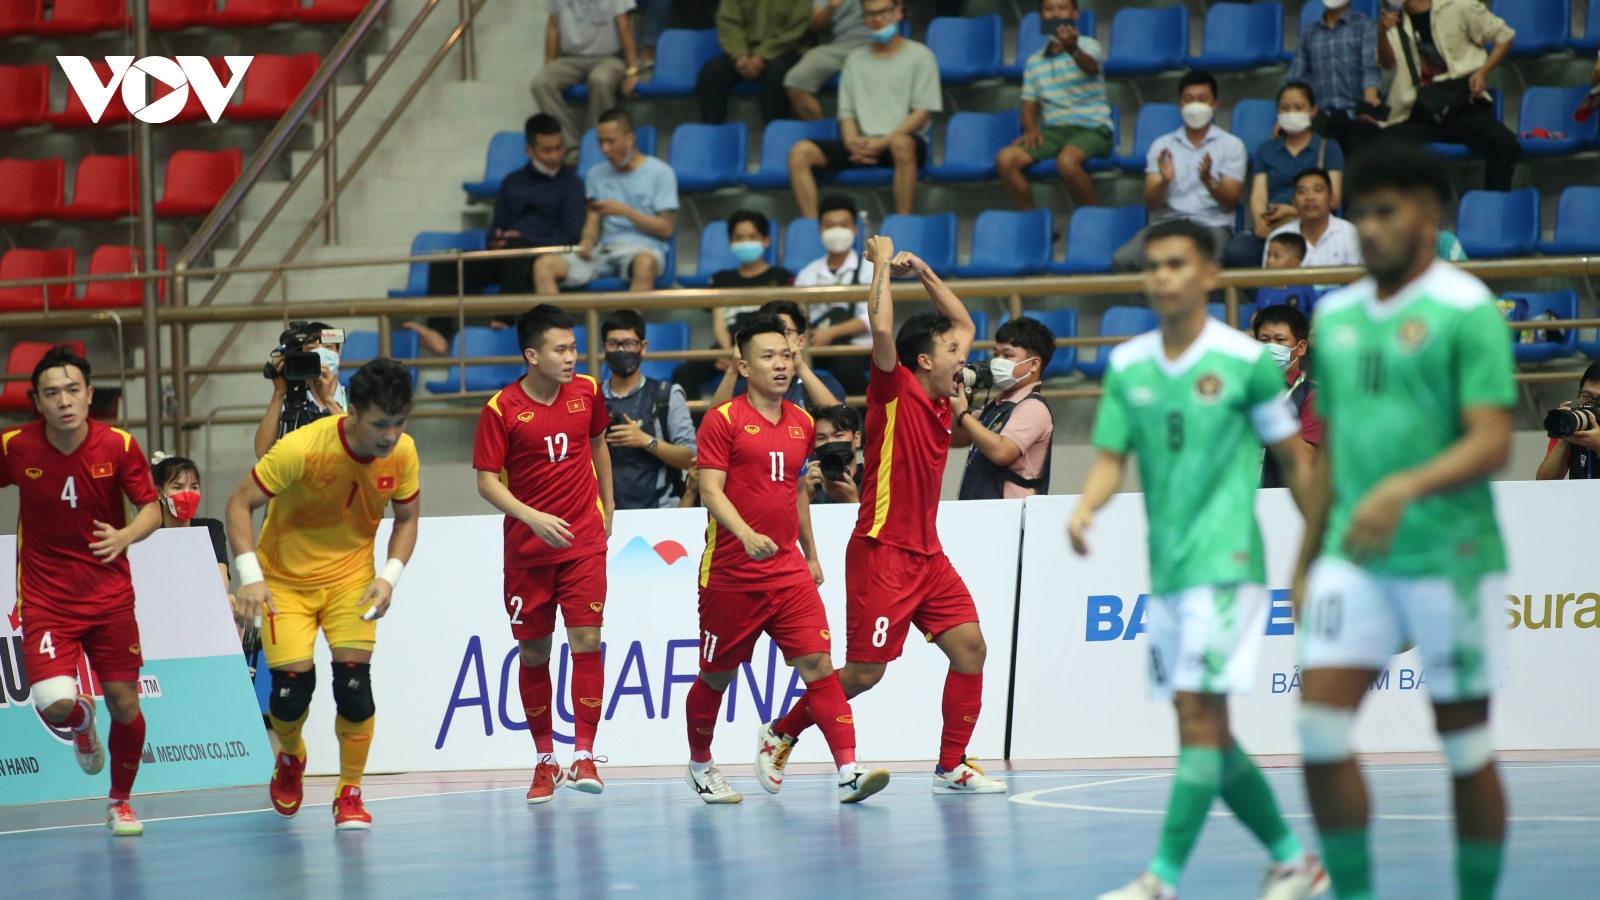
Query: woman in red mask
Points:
[178, 483]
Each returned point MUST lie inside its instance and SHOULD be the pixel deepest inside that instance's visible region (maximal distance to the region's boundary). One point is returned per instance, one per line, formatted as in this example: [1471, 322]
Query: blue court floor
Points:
[1070, 833]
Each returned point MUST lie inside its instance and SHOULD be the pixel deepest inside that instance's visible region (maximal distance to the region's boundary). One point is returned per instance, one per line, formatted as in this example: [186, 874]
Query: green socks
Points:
[1344, 855]
[1477, 867]
[1247, 794]
[1199, 778]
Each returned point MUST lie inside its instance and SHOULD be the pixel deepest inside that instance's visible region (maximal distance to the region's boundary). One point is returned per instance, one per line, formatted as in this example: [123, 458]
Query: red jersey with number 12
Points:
[908, 441]
[544, 457]
[763, 462]
[63, 495]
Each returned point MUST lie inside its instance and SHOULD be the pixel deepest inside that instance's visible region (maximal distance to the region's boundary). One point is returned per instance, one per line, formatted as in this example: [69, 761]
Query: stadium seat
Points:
[589, 154]
[1561, 305]
[104, 187]
[1551, 108]
[1542, 26]
[1047, 168]
[1314, 10]
[971, 141]
[19, 17]
[1093, 236]
[1577, 223]
[196, 180]
[362, 346]
[1147, 41]
[1253, 121]
[1493, 225]
[271, 85]
[253, 13]
[76, 17]
[1155, 119]
[75, 116]
[715, 255]
[1009, 243]
[664, 279]
[1460, 152]
[433, 242]
[331, 12]
[802, 244]
[968, 49]
[24, 95]
[980, 326]
[29, 189]
[679, 56]
[1590, 39]
[1062, 323]
[476, 340]
[708, 157]
[1240, 36]
[507, 153]
[1117, 320]
[1302, 297]
[24, 356]
[931, 237]
[1218, 311]
[776, 139]
[18, 264]
[176, 15]
[115, 259]
[1031, 41]
[664, 337]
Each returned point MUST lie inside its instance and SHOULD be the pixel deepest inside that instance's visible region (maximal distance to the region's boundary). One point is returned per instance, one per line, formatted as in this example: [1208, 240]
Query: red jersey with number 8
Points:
[543, 455]
[763, 461]
[63, 495]
[908, 441]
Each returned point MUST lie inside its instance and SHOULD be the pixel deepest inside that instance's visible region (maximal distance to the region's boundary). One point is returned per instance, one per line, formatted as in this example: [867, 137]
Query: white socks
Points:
[700, 768]
[582, 754]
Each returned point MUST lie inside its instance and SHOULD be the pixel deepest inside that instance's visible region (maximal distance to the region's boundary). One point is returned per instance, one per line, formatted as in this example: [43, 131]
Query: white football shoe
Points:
[966, 778]
[1300, 882]
[1146, 887]
[772, 754]
[859, 782]
[711, 786]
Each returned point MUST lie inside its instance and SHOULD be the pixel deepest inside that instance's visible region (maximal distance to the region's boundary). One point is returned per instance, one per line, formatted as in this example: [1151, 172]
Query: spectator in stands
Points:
[1286, 331]
[888, 93]
[1578, 454]
[1442, 45]
[1285, 250]
[844, 321]
[1010, 436]
[836, 425]
[1064, 82]
[841, 21]
[651, 436]
[588, 42]
[324, 395]
[1195, 173]
[749, 238]
[1330, 240]
[1275, 165]
[633, 209]
[1338, 59]
[177, 481]
[807, 389]
[761, 41]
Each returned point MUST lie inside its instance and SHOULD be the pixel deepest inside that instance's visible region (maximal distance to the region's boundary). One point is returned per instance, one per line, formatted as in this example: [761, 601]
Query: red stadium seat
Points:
[271, 85]
[114, 259]
[196, 180]
[24, 95]
[20, 263]
[19, 16]
[176, 15]
[332, 12]
[75, 116]
[253, 13]
[69, 17]
[104, 187]
[24, 356]
[30, 189]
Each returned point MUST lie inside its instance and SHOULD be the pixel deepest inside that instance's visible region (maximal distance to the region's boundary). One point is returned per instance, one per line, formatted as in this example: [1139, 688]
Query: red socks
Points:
[125, 743]
[963, 699]
[78, 717]
[826, 700]
[701, 710]
[588, 692]
[536, 696]
[798, 718]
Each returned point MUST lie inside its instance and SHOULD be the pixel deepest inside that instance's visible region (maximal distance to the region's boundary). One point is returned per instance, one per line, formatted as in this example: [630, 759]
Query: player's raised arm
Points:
[906, 264]
[712, 482]
[880, 305]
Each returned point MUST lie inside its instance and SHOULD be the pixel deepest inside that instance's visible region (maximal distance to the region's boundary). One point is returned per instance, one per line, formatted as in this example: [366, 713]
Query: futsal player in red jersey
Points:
[541, 457]
[896, 573]
[760, 571]
[74, 591]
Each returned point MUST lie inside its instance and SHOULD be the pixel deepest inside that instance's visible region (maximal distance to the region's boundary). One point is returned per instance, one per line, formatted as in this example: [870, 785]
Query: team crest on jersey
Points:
[34, 473]
[1140, 395]
[100, 470]
[576, 406]
[1411, 335]
[386, 483]
[1207, 388]
[795, 431]
[753, 429]
[526, 416]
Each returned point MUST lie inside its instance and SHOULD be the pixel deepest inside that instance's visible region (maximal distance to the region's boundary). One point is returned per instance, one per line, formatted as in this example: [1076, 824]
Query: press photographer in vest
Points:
[651, 435]
[1574, 431]
[1010, 435]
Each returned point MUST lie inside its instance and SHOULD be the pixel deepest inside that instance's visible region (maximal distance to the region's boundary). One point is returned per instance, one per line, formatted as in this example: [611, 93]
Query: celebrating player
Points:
[328, 484]
[1195, 400]
[74, 591]
[896, 573]
[1401, 546]
[760, 571]
[542, 460]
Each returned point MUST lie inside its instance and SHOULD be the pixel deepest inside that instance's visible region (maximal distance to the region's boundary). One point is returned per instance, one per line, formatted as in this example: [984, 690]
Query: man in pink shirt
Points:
[1010, 436]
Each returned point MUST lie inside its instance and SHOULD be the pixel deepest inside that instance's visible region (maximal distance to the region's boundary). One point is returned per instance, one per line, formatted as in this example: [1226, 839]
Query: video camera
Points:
[300, 364]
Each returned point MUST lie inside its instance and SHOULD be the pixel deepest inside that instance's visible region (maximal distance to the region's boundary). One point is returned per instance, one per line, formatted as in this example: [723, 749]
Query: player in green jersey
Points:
[1195, 401]
[1414, 369]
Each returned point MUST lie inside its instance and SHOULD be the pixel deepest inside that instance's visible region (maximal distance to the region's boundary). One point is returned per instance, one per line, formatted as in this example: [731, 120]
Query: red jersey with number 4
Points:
[763, 461]
[908, 441]
[63, 495]
[543, 455]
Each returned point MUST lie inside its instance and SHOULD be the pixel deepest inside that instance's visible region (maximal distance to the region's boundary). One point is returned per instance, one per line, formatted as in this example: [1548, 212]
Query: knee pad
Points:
[1325, 733]
[1468, 749]
[51, 691]
[352, 691]
[291, 694]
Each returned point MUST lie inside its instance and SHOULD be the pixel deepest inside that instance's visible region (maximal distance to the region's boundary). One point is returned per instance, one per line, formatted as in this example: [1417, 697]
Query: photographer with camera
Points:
[304, 371]
[652, 434]
[1574, 430]
[1010, 437]
[833, 475]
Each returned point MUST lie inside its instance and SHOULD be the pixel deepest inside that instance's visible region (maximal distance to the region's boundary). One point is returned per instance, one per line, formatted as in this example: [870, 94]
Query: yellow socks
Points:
[289, 734]
[355, 739]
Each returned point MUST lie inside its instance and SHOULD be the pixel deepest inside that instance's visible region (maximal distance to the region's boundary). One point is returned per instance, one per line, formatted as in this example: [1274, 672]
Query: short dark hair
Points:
[618, 115]
[622, 320]
[786, 308]
[841, 417]
[1302, 87]
[383, 383]
[916, 336]
[1397, 164]
[59, 357]
[532, 324]
[1315, 173]
[1590, 374]
[540, 123]
[1199, 234]
[1293, 240]
[760, 323]
[1197, 76]
[1031, 335]
[1282, 314]
[166, 468]
[762, 224]
[836, 201]
[1073, 2]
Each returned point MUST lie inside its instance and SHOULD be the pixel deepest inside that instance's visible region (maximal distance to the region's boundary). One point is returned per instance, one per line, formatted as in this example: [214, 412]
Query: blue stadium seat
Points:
[1562, 305]
[1047, 168]
[664, 280]
[431, 242]
[589, 154]
[1542, 26]
[968, 49]
[1577, 223]
[578, 93]
[1590, 39]
[931, 237]
[1494, 225]
[1253, 121]
[971, 141]
[1155, 119]
[679, 56]
[476, 340]
[802, 244]
[663, 337]
[1551, 108]
[1009, 243]
[1303, 298]
[1094, 234]
[1030, 41]
[1062, 323]
[1240, 36]
[715, 255]
[1460, 152]
[1117, 320]
[980, 325]
[776, 139]
[362, 346]
[506, 155]
[707, 157]
[1147, 41]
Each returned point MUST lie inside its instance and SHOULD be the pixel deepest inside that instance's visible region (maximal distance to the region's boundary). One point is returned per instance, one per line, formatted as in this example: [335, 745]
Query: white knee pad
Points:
[51, 691]
[1325, 733]
[1468, 749]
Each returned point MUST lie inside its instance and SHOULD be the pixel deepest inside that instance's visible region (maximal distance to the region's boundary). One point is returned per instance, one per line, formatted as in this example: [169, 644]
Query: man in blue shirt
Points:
[1338, 57]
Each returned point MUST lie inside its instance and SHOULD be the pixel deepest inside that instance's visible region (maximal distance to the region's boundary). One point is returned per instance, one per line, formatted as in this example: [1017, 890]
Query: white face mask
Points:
[838, 239]
[1005, 371]
[542, 169]
[1281, 355]
[1294, 122]
[330, 358]
[1198, 115]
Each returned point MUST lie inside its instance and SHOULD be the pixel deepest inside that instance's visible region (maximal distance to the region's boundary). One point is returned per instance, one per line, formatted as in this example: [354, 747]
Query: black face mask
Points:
[623, 362]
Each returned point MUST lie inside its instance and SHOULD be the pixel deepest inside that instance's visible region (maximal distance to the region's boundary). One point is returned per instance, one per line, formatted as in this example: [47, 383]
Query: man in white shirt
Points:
[843, 322]
[1330, 240]
[588, 42]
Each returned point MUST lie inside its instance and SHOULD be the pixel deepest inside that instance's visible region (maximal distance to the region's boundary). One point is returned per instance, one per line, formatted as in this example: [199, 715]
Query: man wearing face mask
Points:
[1285, 332]
[1010, 437]
[842, 322]
[651, 437]
[1338, 59]
[324, 395]
[749, 240]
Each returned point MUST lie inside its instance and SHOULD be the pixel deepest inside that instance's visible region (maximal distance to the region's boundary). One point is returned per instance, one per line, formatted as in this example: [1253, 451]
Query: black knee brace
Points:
[291, 694]
[352, 691]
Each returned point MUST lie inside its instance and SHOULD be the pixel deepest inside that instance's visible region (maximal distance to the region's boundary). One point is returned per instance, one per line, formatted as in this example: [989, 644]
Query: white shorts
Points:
[1355, 619]
[610, 261]
[1207, 639]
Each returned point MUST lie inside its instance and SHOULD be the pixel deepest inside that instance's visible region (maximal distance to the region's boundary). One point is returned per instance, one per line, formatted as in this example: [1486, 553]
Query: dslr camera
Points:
[835, 459]
[977, 377]
[1560, 423]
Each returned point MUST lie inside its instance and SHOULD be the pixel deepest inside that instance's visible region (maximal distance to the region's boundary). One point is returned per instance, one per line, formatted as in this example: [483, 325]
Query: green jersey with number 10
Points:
[1197, 424]
[1393, 377]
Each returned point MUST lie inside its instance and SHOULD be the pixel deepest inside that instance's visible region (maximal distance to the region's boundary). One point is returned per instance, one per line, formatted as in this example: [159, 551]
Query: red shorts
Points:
[577, 585]
[52, 645]
[730, 622]
[888, 589]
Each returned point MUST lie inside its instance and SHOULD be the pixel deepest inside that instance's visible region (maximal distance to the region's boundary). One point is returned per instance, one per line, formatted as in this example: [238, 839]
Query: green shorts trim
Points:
[1094, 142]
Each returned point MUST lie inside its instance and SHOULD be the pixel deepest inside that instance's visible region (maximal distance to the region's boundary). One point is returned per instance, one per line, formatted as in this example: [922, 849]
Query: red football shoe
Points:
[288, 785]
[546, 778]
[348, 812]
[583, 777]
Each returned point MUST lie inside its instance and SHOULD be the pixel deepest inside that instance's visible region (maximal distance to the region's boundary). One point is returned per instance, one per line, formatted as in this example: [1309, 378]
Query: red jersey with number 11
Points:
[763, 462]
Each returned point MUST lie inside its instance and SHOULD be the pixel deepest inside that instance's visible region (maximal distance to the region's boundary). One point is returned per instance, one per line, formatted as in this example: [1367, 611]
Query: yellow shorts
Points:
[290, 635]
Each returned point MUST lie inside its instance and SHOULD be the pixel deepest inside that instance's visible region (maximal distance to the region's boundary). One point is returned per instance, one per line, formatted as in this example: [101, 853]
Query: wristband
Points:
[391, 571]
[249, 568]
